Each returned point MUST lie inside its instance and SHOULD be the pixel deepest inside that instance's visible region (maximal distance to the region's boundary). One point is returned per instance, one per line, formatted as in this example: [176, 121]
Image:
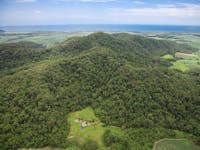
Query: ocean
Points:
[106, 28]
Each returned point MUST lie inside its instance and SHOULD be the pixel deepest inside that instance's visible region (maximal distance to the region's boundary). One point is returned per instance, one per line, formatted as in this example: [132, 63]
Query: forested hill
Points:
[121, 76]
[122, 43]
[138, 50]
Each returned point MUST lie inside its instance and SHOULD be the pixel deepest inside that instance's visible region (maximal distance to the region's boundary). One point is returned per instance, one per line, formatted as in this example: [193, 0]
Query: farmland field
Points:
[47, 39]
[185, 55]
[184, 61]
[174, 144]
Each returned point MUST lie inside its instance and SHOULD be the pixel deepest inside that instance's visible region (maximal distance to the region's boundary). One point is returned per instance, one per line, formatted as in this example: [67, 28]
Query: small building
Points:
[83, 124]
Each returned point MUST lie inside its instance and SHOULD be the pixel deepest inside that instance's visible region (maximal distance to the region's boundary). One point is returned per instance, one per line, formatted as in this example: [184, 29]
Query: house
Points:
[83, 124]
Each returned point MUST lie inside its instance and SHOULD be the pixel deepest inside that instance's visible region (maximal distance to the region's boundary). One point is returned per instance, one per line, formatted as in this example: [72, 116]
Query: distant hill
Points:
[121, 76]
[2, 31]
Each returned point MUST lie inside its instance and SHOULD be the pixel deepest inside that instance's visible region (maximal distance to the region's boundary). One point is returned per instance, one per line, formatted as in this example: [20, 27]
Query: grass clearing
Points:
[179, 66]
[93, 132]
[168, 56]
[175, 144]
[90, 132]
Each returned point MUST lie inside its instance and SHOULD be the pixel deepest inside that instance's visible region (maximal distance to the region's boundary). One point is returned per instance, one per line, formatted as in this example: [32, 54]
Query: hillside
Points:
[122, 77]
[17, 54]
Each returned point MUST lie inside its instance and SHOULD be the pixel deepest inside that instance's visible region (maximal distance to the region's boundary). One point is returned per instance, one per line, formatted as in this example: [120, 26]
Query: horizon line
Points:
[100, 24]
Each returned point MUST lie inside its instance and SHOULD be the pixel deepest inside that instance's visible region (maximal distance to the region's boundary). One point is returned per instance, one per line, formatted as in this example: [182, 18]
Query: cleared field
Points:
[175, 144]
[93, 132]
[168, 56]
[187, 61]
[185, 55]
[184, 61]
[179, 66]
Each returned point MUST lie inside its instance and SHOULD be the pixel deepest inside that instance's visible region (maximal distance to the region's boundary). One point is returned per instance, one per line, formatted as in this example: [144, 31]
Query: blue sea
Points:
[106, 28]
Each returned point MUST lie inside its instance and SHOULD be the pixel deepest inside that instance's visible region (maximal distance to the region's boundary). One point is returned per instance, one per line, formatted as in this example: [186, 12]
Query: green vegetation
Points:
[184, 61]
[121, 77]
[93, 132]
[168, 56]
[179, 66]
[113, 137]
[90, 145]
[170, 144]
[48, 39]
[185, 55]
[17, 54]
[191, 61]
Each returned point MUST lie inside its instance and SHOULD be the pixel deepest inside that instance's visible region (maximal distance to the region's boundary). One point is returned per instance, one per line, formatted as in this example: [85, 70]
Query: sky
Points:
[63, 12]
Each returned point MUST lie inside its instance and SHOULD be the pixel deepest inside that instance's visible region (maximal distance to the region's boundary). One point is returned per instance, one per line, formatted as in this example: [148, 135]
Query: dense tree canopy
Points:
[121, 76]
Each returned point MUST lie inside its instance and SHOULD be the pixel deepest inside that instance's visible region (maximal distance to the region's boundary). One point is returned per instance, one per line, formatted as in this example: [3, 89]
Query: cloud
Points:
[138, 2]
[88, 1]
[37, 11]
[171, 14]
[178, 10]
[25, 1]
[165, 5]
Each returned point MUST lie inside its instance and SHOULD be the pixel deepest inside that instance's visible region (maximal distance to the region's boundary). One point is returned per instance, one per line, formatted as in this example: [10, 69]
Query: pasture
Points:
[175, 144]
